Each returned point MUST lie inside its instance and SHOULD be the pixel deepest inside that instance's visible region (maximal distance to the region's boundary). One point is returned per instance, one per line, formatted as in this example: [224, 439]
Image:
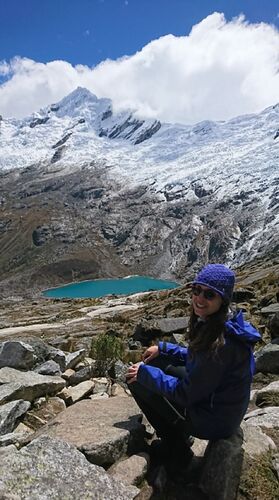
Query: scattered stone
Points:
[255, 441]
[269, 395]
[104, 430]
[80, 391]
[132, 470]
[267, 359]
[15, 438]
[85, 373]
[264, 417]
[74, 358]
[103, 395]
[27, 385]
[16, 354]
[10, 413]
[172, 325]
[58, 356]
[48, 368]
[118, 390]
[23, 429]
[242, 295]
[271, 309]
[118, 371]
[146, 330]
[43, 410]
[68, 373]
[101, 385]
[51, 469]
[273, 326]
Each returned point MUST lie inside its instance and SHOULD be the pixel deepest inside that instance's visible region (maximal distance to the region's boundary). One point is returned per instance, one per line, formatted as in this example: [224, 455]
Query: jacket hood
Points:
[243, 330]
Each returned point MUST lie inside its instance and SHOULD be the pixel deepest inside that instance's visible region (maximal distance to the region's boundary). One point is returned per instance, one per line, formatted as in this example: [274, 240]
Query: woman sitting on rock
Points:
[202, 390]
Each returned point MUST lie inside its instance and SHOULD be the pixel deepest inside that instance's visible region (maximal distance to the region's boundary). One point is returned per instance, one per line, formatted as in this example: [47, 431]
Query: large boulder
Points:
[267, 359]
[51, 469]
[102, 429]
[27, 385]
[17, 355]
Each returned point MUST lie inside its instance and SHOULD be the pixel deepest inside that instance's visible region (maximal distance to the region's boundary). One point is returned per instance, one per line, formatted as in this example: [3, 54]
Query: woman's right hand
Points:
[150, 353]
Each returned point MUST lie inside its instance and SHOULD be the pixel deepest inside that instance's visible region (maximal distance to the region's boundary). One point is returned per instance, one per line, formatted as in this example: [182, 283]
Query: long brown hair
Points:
[208, 335]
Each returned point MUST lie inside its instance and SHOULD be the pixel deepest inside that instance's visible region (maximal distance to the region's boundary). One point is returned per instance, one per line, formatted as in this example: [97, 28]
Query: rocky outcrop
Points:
[102, 429]
[24, 474]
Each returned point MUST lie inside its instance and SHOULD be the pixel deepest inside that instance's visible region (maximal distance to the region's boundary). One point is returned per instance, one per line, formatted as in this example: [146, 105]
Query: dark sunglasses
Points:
[207, 294]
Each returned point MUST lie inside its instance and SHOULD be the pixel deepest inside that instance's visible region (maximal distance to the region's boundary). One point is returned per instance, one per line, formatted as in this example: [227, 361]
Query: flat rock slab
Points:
[102, 429]
[255, 442]
[27, 385]
[50, 469]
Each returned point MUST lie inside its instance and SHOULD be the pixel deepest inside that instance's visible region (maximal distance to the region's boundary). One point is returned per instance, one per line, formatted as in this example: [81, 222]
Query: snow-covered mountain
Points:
[160, 198]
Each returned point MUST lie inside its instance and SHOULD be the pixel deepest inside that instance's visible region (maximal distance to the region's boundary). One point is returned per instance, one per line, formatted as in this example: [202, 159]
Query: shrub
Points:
[107, 348]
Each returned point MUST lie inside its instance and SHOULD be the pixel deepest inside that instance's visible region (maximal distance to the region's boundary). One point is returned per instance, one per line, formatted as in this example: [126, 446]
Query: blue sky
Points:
[89, 31]
[186, 60]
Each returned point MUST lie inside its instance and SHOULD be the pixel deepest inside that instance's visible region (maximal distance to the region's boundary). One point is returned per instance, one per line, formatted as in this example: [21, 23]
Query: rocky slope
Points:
[86, 192]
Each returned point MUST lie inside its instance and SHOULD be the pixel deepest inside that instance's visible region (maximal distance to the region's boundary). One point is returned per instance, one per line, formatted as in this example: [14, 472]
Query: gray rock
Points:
[102, 429]
[273, 326]
[74, 358]
[172, 325]
[267, 359]
[13, 438]
[118, 372]
[132, 470]
[199, 447]
[48, 368]
[17, 355]
[83, 374]
[50, 469]
[264, 417]
[255, 441]
[80, 391]
[43, 410]
[10, 413]
[221, 473]
[271, 309]
[101, 385]
[269, 395]
[58, 356]
[27, 385]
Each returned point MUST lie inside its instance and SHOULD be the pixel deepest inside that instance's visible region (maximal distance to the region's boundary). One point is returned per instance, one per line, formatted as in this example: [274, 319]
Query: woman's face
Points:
[204, 307]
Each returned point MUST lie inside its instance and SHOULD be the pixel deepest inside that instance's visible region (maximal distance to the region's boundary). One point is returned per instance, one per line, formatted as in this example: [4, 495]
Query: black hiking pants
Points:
[167, 418]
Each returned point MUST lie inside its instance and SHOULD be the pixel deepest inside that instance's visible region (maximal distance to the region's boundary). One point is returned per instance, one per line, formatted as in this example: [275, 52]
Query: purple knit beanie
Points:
[218, 277]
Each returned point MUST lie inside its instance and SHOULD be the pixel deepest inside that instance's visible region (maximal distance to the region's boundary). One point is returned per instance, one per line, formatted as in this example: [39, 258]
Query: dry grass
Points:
[259, 480]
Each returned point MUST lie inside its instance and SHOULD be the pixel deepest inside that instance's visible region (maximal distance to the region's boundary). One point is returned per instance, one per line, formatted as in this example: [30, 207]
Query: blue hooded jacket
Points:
[215, 392]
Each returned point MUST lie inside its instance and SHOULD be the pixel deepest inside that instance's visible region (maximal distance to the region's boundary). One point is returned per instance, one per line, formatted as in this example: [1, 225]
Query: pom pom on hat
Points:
[218, 277]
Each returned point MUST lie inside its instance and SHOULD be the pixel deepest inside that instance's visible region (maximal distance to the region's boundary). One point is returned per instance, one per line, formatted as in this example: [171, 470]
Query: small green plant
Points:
[107, 347]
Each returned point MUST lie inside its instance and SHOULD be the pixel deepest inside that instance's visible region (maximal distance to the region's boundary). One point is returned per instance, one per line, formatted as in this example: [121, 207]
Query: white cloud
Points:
[222, 69]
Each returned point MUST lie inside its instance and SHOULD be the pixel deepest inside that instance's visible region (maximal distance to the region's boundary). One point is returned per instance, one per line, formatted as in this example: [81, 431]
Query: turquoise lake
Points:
[100, 288]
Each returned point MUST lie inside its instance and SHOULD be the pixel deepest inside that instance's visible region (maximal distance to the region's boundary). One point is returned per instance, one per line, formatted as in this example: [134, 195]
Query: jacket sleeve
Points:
[205, 376]
[168, 349]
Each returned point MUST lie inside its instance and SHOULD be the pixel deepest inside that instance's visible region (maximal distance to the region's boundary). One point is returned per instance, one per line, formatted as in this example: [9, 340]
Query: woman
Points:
[202, 390]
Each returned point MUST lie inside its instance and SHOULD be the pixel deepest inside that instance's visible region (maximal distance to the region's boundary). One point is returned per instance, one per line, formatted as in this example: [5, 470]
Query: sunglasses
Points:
[207, 294]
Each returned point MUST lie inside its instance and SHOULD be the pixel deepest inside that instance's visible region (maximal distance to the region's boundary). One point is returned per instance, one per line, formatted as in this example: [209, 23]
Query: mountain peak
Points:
[79, 102]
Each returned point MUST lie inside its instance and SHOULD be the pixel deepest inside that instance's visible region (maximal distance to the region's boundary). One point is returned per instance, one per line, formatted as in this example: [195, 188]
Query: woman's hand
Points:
[150, 353]
[131, 375]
